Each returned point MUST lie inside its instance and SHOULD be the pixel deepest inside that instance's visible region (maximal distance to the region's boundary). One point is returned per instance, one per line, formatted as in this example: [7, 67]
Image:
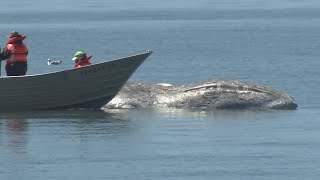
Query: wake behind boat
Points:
[86, 87]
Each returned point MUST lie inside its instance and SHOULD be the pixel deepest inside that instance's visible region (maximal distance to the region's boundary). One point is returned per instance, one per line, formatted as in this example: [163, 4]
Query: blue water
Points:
[271, 43]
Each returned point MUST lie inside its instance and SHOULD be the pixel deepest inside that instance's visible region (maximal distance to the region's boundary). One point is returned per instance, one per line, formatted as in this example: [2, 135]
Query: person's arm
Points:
[4, 54]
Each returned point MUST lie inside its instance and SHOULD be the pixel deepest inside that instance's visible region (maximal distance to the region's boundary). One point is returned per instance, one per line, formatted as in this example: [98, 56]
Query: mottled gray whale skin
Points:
[209, 95]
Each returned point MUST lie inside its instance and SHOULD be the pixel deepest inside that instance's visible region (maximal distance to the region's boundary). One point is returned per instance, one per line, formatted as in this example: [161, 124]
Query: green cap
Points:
[79, 54]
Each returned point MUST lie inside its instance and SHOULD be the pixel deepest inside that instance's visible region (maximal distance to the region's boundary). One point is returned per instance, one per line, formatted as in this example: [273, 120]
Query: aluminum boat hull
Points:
[86, 87]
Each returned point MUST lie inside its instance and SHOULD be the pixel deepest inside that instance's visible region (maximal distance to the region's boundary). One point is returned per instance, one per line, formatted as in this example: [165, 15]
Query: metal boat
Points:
[85, 87]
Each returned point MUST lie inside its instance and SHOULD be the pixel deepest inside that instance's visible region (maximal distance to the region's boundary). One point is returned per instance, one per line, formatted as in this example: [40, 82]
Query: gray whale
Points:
[209, 95]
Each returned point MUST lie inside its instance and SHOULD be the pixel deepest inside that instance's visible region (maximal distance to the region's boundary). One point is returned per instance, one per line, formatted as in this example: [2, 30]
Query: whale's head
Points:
[210, 95]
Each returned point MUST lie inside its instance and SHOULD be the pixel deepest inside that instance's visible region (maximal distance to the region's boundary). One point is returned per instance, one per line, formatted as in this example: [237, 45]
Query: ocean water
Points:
[272, 43]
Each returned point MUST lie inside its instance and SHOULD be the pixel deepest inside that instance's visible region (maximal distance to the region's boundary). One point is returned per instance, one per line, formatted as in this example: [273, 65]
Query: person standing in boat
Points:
[15, 53]
[81, 58]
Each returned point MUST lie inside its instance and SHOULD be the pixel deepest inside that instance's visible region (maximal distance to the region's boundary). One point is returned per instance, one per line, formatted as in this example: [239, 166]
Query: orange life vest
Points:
[17, 52]
[83, 62]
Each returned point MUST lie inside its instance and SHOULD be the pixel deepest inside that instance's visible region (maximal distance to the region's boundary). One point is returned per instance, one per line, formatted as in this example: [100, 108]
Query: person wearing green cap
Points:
[81, 59]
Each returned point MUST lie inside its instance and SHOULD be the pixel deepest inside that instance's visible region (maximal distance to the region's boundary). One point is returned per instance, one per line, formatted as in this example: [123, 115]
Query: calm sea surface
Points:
[273, 43]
